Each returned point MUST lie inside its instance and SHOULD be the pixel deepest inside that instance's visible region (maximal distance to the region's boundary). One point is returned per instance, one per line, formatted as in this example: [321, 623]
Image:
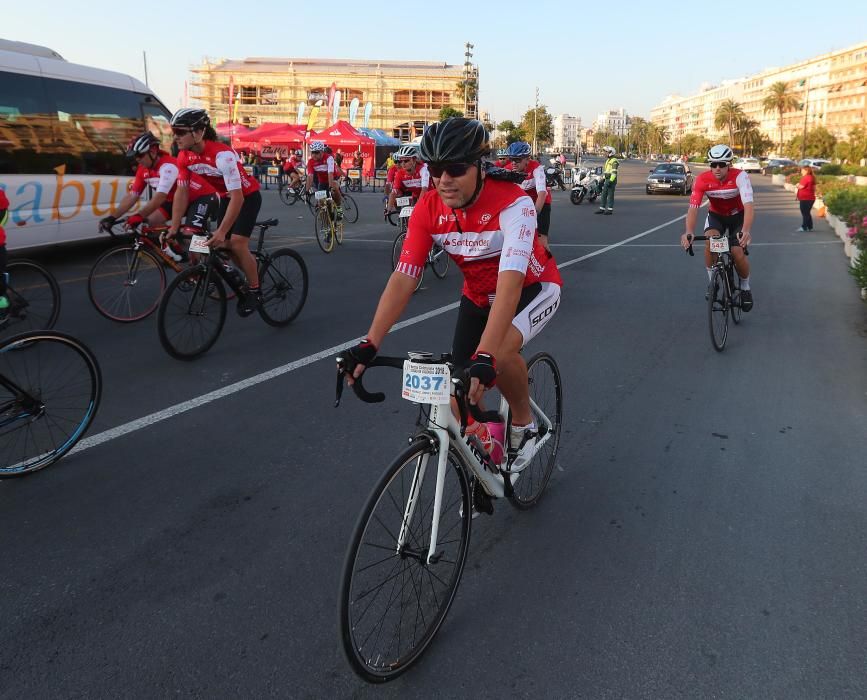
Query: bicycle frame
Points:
[30, 407]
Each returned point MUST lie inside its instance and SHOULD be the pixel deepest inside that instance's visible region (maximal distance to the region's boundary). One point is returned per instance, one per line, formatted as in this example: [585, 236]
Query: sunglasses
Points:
[452, 169]
[719, 165]
[404, 160]
[517, 159]
[181, 132]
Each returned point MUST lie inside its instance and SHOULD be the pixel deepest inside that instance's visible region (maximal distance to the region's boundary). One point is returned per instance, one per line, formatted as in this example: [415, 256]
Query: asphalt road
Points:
[703, 534]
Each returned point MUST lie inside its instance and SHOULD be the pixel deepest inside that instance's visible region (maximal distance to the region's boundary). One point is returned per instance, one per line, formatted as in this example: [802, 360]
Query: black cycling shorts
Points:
[730, 225]
[246, 221]
[200, 210]
[543, 220]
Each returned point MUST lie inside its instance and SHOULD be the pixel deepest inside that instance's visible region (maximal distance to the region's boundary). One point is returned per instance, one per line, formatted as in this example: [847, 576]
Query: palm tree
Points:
[727, 115]
[780, 100]
[638, 132]
[657, 137]
[747, 131]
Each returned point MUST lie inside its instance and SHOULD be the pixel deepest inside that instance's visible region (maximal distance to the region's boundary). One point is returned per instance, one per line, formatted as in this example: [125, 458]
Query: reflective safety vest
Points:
[610, 169]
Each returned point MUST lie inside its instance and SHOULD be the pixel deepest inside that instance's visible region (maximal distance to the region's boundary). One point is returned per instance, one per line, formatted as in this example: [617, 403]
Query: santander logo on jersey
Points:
[485, 218]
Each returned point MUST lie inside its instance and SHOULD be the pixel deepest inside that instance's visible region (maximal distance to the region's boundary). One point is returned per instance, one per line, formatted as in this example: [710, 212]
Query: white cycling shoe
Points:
[522, 447]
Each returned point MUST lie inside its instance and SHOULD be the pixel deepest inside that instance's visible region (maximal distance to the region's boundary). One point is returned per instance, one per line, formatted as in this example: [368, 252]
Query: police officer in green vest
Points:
[609, 181]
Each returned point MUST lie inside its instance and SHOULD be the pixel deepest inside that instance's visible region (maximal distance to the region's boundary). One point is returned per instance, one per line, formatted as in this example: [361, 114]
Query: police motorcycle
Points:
[554, 176]
[588, 184]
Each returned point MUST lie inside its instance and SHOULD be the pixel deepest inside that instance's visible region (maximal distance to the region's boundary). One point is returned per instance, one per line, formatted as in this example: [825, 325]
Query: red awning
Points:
[341, 133]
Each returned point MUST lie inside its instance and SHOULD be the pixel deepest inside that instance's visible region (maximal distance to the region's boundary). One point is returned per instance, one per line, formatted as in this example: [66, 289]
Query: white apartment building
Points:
[567, 130]
[615, 121]
[832, 87]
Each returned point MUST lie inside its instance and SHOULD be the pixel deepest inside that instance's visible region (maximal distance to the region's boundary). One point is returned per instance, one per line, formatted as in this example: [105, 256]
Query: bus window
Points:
[157, 122]
[27, 138]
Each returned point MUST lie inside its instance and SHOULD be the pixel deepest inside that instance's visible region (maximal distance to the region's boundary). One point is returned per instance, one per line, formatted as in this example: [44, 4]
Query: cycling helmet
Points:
[519, 149]
[142, 144]
[454, 140]
[298, 153]
[317, 147]
[408, 150]
[501, 153]
[720, 152]
[191, 118]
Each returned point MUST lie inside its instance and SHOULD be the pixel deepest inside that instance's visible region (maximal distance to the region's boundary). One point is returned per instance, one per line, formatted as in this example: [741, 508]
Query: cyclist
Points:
[157, 169]
[391, 170]
[511, 282]
[240, 199]
[502, 158]
[412, 177]
[4, 301]
[518, 154]
[730, 195]
[291, 167]
[322, 174]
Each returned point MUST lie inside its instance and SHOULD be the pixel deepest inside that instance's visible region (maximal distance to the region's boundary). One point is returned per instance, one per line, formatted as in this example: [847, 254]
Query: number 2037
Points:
[414, 381]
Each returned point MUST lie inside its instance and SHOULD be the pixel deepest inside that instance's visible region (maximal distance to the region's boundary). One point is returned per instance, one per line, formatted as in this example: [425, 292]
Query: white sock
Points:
[709, 273]
[745, 284]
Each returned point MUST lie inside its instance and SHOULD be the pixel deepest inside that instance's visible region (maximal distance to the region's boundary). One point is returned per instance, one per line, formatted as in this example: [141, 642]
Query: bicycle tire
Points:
[735, 298]
[125, 284]
[323, 229]
[350, 209]
[284, 283]
[34, 298]
[542, 373]
[197, 298]
[396, 248]
[439, 261]
[32, 361]
[375, 536]
[718, 311]
[311, 202]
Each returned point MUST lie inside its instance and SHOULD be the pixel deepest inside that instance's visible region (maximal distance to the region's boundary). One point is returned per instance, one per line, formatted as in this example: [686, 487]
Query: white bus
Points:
[64, 129]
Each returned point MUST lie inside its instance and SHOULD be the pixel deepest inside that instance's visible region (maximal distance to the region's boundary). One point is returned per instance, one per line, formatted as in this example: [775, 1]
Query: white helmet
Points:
[720, 152]
[609, 150]
[317, 147]
[408, 150]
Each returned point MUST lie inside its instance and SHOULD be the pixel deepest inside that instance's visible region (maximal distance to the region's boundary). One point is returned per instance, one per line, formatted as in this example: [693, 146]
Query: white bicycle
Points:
[410, 544]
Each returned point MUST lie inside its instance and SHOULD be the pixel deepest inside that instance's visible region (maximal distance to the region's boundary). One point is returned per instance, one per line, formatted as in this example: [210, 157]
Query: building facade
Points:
[404, 95]
[831, 89]
[567, 130]
[614, 121]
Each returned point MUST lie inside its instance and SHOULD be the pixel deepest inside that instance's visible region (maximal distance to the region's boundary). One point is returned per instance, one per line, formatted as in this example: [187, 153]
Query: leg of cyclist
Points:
[334, 186]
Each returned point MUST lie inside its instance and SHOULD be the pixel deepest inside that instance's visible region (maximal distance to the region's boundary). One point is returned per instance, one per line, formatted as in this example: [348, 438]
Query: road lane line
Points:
[204, 399]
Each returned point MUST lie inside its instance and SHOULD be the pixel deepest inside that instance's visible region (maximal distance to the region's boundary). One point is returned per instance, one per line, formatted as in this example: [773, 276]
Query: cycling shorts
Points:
[246, 221]
[537, 305]
[730, 225]
[200, 210]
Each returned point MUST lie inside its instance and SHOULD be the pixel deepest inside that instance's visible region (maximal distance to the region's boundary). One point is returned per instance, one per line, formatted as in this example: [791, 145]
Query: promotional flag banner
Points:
[353, 110]
[335, 110]
[368, 108]
[301, 108]
[331, 92]
[231, 97]
[237, 102]
[314, 113]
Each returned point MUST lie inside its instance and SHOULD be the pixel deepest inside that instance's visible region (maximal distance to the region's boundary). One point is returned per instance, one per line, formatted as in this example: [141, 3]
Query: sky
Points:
[585, 58]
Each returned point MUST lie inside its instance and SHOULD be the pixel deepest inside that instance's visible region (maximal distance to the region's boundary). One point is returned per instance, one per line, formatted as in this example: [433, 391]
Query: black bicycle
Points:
[34, 298]
[437, 259]
[193, 309]
[723, 292]
[50, 388]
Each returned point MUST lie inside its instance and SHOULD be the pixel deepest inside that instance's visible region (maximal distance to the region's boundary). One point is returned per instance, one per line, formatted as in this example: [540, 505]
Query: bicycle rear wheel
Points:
[192, 313]
[546, 400]
[350, 209]
[283, 279]
[323, 229]
[392, 601]
[288, 195]
[734, 285]
[50, 389]
[718, 311]
[34, 298]
[439, 261]
[126, 284]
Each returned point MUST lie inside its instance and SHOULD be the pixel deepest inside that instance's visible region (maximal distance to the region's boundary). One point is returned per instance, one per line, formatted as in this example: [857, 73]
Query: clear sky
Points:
[585, 57]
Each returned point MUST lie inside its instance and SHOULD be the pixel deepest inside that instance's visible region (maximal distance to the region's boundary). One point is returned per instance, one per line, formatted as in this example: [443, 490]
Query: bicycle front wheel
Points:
[396, 248]
[288, 195]
[283, 279]
[392, 601]
[192, 313]
[324, 231]
[718, 311]
[126, 284]
[735, 297]
[350, 209]
[439, 261]
[546, 402]
[50, 388]
[34, 297]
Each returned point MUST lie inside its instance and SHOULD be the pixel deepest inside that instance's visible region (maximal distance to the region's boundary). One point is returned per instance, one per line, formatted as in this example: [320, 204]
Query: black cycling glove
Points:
[484, 368]
[107, 222]
[364, 352]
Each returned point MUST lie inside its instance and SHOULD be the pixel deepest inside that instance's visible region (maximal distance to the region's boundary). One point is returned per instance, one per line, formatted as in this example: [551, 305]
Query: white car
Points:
[815, 163]
[749, 165]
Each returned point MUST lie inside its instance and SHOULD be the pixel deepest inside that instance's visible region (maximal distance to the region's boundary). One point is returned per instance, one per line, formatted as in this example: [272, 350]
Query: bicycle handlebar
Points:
[390, 214]
[707, 238]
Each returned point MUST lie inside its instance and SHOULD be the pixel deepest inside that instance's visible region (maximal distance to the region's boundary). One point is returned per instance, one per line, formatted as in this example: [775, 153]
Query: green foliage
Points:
[854, 149]
[447, 112]
[543, 123]
[513, 131]
[820, 144]
[849, 202]
[780, 99]
[859, 271]
[832, 169]
[728, 115]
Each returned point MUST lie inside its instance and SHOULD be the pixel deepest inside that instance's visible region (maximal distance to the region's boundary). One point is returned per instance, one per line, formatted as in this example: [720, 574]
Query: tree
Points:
[657, 137]
[746, 131]
[447, 112]
[728, 114]
[512, 131]
[855, 149]
[820, 144]
[543, 126]
[472, 89]
[638, 134]
[780, 99]
[695, 145]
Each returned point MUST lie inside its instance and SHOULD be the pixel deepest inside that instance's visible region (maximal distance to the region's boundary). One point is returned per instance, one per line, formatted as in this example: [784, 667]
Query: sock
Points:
[709, 273]
[745, 284]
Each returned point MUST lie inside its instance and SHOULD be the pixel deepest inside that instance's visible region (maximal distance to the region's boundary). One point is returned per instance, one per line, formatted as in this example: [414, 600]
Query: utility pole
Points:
[144, 55]
[535, 124]
[806, 109]
[468, 65]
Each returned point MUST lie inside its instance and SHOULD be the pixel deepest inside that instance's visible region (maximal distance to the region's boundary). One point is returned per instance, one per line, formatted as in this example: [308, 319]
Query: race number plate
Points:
[405, 212]
[320, 195]
[719, 245]
[404, 201]
[199, 244]
[424, 383]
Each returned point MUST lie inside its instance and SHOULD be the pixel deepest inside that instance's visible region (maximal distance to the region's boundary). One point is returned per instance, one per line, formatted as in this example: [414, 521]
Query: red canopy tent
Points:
[227, 129]
[271, 139]
[346, 139]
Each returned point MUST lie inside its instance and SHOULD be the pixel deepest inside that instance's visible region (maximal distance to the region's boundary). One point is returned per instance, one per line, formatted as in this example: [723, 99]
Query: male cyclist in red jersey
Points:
[412, 177]
[159, 170]
[730, 195]
[322, 174]
[293, 164]
[220, 166]
[391, 172]
[534, 185]
[511, 282]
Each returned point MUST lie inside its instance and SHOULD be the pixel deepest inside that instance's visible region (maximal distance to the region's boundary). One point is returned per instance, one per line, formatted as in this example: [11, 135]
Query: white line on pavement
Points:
[204, 399]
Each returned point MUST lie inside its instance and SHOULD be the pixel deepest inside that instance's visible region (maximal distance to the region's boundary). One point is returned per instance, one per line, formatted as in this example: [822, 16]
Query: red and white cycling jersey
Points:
[535, 181]
[219, 166]
[496, 233]
[163, 177]
[4, 207]
[318, 170]
[411, 183]
[391, 174]
[292, 164]
[727, 197]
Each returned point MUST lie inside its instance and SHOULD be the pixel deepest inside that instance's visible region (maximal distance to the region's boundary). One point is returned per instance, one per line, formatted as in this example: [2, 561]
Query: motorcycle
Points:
[588, 184]
[554, 177]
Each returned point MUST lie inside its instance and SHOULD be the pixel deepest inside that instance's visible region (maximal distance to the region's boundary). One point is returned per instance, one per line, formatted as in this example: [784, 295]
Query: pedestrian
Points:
[609, 181]
[806, 196]
[562, 161]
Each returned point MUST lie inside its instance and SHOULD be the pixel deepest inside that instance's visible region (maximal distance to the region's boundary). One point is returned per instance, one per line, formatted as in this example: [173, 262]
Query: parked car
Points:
[778, 163]
[749, 165]
[815, 163]
[670, 177]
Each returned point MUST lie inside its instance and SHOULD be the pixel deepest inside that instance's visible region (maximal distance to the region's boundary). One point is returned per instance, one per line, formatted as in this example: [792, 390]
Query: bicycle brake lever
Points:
[339, 391]
[689, 250]
[462, 405]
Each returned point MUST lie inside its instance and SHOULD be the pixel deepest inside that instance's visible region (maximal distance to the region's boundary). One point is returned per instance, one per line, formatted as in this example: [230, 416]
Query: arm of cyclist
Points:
[179, 208]
[541, 188]
[123, 207]
[689, 227]
[744, 237]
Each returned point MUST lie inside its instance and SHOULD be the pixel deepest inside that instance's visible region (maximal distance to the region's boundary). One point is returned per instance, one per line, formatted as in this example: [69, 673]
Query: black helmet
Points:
[455, 140]
[142, 144]
[191, 118]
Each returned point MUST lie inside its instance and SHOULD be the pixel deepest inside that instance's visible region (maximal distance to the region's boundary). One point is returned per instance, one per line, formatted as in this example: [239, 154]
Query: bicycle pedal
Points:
[482, 502]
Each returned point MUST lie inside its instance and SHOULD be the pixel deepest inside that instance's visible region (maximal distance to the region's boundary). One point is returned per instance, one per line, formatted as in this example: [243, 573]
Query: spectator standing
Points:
[806, 196]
